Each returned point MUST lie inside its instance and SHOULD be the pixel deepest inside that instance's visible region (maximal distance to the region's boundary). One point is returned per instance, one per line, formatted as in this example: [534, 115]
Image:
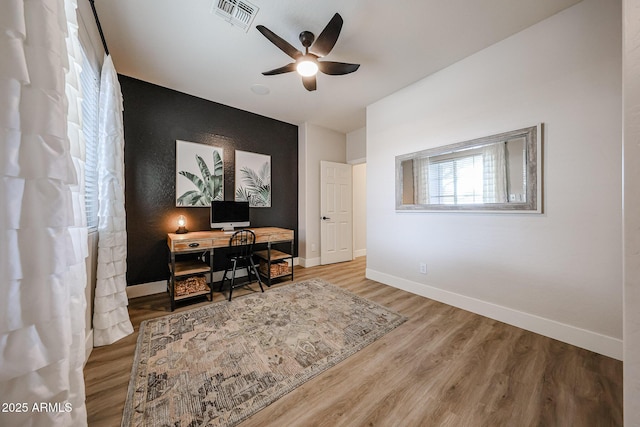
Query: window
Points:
[90, 83]
[456, 181]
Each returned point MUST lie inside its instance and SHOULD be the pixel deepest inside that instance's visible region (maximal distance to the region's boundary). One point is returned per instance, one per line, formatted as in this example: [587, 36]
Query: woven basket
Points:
[191, 285]
[277, 268]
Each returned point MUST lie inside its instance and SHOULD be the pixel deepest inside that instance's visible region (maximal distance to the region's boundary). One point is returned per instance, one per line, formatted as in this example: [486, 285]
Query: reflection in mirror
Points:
[499, 172]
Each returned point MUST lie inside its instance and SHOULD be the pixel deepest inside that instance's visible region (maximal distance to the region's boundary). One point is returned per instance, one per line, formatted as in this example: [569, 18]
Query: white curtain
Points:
[44, 237]
[495, 173]
[111, 318]
[421, 180]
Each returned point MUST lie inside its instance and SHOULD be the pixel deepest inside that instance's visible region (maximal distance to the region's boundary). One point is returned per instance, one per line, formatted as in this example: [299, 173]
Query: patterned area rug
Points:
[217, 365]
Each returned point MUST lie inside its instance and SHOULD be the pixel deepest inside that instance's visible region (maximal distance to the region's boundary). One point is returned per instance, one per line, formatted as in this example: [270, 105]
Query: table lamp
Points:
[182, 221]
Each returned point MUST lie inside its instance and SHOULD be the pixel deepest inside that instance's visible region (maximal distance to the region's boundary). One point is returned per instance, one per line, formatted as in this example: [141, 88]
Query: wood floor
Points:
[443, 367]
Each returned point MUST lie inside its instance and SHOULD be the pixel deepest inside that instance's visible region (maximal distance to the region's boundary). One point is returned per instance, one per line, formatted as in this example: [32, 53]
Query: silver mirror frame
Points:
[533, 147]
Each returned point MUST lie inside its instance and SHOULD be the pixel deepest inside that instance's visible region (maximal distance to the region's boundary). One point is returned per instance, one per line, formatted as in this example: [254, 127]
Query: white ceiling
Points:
[181, 45]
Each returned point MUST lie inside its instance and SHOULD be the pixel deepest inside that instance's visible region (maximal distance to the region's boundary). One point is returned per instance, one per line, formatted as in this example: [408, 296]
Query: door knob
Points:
[325, 218]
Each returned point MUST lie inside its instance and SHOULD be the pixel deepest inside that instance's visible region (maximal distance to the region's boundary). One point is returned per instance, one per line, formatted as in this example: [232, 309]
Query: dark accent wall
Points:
[154, 118]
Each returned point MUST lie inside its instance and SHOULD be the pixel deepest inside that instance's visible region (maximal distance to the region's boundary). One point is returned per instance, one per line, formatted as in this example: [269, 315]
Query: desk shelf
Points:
[275, 255]
[275, 258]
[193, 294]
[190, 267]
[182, 269]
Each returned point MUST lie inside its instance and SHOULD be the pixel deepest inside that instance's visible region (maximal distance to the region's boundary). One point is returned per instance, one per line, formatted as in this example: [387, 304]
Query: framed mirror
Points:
[501, 173]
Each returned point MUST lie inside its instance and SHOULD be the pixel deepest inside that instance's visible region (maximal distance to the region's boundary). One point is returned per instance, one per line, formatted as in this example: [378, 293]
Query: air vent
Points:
[239, 13]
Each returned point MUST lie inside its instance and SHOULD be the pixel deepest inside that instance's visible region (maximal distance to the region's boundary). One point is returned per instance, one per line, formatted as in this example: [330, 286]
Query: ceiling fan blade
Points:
[309, 83]
[328, 37]
[286, 69]
[282, 44]
[337, 68]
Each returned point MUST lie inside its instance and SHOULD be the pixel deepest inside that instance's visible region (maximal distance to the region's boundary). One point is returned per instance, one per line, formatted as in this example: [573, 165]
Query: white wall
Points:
[631, 78]
[359, 210]
[357, 146]
[357, 156]
[558, 273]
[315, 143]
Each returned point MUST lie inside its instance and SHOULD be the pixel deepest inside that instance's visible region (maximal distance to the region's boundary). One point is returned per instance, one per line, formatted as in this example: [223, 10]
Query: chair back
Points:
[242, 242]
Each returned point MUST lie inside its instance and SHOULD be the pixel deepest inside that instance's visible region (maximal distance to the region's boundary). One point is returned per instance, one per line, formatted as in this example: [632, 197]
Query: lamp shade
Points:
[307, 68]
[182, 222]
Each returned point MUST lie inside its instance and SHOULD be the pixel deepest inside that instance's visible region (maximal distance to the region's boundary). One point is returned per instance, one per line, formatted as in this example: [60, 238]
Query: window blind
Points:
[90, 82]
[456, 181]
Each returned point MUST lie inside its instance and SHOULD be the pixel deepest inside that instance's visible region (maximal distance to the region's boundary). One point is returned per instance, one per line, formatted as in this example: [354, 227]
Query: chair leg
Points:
[248, 267]
[233, 278]
[255, 272]
[224, 277]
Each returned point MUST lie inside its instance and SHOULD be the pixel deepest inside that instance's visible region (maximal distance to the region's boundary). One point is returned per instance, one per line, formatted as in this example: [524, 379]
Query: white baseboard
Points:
[593, 341]
[151, 288]
[88, 345]
[313, 262]
[144, 289]
[309, 262]
[359, 252]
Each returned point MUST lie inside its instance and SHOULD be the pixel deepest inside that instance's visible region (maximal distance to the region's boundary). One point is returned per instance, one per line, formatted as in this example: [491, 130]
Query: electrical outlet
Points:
[423, 267]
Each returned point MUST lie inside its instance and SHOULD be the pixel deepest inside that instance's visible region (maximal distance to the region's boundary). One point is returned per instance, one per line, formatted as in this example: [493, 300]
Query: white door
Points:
[336, 216]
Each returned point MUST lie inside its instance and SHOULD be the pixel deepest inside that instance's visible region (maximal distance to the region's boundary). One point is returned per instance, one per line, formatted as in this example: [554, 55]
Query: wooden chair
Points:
[241, 255]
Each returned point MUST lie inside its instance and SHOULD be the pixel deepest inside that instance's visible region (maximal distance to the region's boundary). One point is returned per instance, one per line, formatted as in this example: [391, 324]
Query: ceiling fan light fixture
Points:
[307, 67]
[306, 64]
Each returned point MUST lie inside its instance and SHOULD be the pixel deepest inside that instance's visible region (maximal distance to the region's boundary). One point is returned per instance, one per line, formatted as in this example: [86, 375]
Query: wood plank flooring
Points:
[443, 367]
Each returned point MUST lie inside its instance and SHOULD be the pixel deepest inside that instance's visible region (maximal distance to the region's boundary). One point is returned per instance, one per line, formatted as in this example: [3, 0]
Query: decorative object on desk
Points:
[219, 364]
[253, 179]
[199, 177]
[182, 222]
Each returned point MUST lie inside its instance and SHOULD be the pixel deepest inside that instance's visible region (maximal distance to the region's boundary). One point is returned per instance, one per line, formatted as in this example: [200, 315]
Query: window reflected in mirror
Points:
[498, 172]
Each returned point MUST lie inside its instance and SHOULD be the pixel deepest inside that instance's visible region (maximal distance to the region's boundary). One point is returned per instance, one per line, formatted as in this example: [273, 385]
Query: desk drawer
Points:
[221, 242]
[284, 236]
[192, 245]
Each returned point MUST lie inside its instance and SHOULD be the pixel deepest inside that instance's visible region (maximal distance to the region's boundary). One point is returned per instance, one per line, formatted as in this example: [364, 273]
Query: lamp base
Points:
[182, 230]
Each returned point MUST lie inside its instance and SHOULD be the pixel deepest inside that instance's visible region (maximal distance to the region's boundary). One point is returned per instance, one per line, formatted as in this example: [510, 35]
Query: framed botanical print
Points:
[253, 179]
[199, 174]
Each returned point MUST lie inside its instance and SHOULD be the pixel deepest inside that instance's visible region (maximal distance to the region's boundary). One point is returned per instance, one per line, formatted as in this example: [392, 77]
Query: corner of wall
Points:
[631, 198]
[357, 146]
[302, 189]
[91, 264]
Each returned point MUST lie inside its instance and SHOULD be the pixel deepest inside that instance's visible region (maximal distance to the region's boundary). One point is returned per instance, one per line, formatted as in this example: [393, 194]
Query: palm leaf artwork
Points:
[208, 186]
[256, 186]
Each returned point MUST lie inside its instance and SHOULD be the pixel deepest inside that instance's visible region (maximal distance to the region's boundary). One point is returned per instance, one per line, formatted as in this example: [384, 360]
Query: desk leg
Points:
[211, 273]
[269, 264]
[172, 284]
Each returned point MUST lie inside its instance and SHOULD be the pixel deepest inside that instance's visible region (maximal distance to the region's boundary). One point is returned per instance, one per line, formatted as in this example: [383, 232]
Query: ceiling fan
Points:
[307, 64]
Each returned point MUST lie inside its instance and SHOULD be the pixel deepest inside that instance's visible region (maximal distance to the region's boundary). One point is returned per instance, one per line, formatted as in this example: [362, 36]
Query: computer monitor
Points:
[228, 215]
